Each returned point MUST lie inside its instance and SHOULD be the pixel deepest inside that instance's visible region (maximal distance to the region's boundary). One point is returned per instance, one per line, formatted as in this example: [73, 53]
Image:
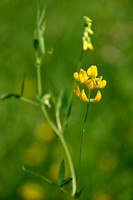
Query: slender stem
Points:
[49, 120]
[29, 101]
[45, 179]
[39, 81]
[82, 136]
[62, 140]
[70, 164]
[34, 173]
[58, 122]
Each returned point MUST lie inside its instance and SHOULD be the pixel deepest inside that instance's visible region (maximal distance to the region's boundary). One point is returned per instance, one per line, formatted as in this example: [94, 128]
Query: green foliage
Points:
[66, 182]
[108, 144]
[61, 173]
[79, 192]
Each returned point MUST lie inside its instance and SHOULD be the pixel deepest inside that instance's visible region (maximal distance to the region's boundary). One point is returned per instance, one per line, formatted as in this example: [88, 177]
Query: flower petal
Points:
[92, 71]
[97, 97]
[102, 84]
[76, 76]
[83, 76]
[83, 96]
[91, 84]
[76, 91]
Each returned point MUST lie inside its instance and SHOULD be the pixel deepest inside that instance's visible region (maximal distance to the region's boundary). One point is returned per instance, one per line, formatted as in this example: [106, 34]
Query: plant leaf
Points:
[61, 173]
[7, 96]
[69, 109]
[22, 86]
[79, 192]
[66, 182]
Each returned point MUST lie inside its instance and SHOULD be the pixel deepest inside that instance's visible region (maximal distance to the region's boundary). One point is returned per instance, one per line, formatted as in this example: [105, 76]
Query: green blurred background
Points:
[25, 137]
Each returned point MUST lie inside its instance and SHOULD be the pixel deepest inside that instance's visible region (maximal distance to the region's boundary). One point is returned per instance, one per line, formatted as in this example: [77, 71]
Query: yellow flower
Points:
[97, 97]
[101, 83]
[87, 43]
[83, 96]
[87, 31]
[90, 46]
[81, 76]
[77, 91]
[92, 71]
[89, 79]
[76, 76]
[91, 84]
[87, 19]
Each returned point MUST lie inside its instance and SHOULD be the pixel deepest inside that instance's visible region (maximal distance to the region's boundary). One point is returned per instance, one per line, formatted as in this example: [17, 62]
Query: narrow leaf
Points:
[64, 104]
[69, 110]
[66, 182]
[79, 192]
[61, 173]
[7, 96]
[22, 86]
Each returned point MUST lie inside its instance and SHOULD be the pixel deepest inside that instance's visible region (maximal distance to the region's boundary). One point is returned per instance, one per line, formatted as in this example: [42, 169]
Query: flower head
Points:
[91, 81]
[86, 35]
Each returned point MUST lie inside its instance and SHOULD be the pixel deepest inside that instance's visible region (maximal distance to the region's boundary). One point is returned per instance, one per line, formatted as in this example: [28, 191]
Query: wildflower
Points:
[87, 31]
[91, 81]
[81, 76]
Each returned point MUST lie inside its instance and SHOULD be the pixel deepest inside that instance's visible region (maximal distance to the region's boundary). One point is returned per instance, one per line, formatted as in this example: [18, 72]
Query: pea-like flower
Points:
[91, 81]
[86, 35]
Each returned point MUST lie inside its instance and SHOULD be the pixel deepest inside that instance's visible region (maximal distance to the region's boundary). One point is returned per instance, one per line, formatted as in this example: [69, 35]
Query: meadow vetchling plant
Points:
[87, 78]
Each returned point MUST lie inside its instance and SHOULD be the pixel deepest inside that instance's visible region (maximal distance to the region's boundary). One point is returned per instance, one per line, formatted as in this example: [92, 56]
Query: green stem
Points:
[82, 136]
[29, 101]
[70, 164]
[62, 140]
[39, 81]
[49, 120]
[55, 129]
[45, 179]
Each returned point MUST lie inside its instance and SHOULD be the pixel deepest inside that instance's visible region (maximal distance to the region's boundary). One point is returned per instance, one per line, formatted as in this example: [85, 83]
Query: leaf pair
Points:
[61, 181]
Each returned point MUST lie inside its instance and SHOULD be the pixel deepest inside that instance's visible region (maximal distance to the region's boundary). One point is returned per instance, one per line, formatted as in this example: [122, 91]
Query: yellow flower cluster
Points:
[87, 31]
[89, 79]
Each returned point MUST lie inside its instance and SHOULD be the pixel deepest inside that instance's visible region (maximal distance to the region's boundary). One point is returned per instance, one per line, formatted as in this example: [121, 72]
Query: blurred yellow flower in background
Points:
[102, 195]
[29, 89]
[31, 191]
[108, 161]
[34, 155]
[44, 132]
